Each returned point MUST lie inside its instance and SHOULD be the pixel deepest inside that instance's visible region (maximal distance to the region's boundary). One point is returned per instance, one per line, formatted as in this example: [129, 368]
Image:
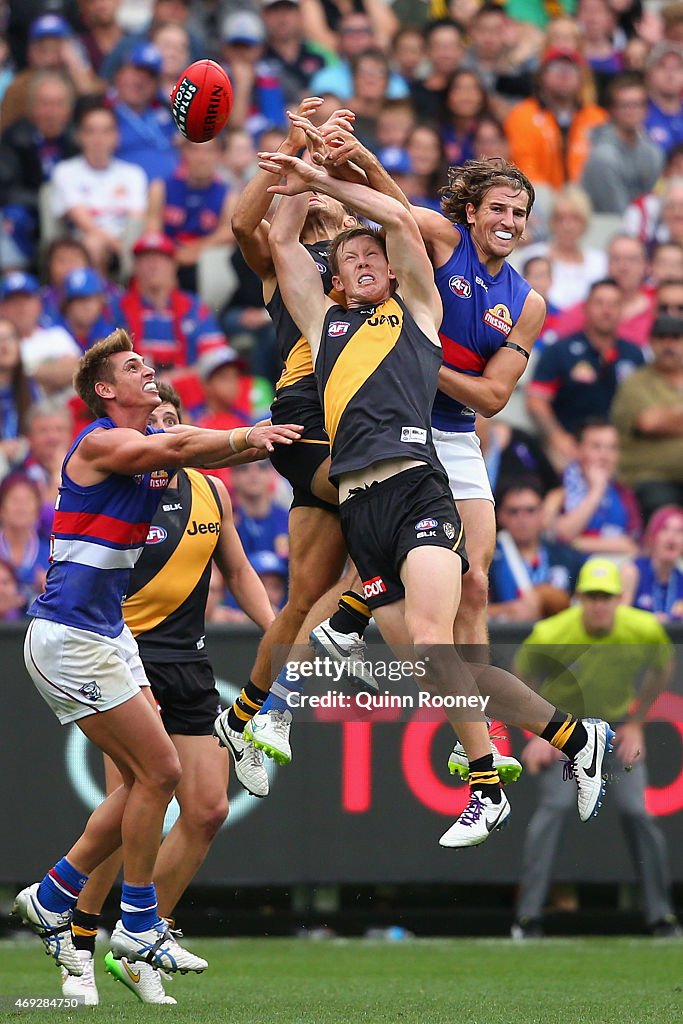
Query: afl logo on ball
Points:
[156, 535]
[460, 286]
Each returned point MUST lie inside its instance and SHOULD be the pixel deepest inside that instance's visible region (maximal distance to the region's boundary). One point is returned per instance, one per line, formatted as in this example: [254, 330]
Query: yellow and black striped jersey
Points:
[294, 349]
[377, 376]
[169, 586]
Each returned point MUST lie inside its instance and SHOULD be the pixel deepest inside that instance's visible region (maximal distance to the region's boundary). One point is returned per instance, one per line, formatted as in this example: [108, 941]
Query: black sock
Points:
[566, 733]
[484, 778]
[352, 615]
[84, 929]
[249, 702]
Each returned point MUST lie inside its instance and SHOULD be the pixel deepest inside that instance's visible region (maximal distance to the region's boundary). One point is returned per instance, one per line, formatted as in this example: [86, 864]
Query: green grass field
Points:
[288, 981]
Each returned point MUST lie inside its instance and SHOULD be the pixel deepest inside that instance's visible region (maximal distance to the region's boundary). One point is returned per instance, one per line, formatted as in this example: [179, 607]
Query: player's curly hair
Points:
[95, 366]
[469, 183]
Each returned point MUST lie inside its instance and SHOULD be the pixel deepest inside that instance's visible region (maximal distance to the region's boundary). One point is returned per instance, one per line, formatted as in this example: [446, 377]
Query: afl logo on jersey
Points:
[156, 535]
[460, 286]
[499, 318]
[338, 328]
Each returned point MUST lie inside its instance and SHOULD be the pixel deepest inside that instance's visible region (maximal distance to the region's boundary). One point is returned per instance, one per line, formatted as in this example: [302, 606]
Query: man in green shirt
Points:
[598, 658]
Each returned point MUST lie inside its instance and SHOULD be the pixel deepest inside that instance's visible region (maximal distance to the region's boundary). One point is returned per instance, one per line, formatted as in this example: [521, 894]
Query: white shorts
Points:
[79, 673]
[461, 457]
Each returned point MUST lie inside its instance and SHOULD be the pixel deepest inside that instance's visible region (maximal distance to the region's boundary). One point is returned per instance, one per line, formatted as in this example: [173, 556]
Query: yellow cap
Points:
[599, 576]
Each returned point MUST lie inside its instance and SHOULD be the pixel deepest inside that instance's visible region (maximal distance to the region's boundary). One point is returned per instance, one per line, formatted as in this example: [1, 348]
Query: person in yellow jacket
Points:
[599, 657]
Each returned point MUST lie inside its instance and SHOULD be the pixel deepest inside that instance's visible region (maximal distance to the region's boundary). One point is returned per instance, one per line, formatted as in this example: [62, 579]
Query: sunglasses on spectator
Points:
[518, 510]
[670, 307]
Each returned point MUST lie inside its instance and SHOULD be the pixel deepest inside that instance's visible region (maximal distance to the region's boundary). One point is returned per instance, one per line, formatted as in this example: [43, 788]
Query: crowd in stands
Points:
[109, 217]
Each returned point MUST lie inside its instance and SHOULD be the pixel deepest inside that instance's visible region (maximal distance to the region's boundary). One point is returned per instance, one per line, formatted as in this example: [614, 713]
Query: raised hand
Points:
[299, 176]
[296, 137]
[265, 435]
[315, 143]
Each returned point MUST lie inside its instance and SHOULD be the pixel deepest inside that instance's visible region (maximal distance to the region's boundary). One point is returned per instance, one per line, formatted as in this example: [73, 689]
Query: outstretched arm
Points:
[405, 248]
[297, 275]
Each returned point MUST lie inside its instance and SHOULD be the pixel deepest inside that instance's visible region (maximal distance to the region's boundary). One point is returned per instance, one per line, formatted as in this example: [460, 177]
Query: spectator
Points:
[245, 317]
[664, 117]
[575, 266]
[672, 22]
[172, 328]
[261, 524]
[627, 661]
[538, 272]
[164, 12]
[191, 207]
[16, 395]
[12, 603]
[102, 31]
[598, 23]
[272, 571]
[576, 378]
[654, 580]
[258, 97]
[50, 431]
[666, 264]
[494, 59]
[370, 73]
[445, 51]
[296, 61]
[239, 158]
[466, 103]
[530, 578]
[409, 54]
[84, 309]
[43, 136]
[623, 162]
[355, 36]
[549, 133]
[669, 298]
[51, 47]
[591, 510]
[644, 217]
[20, 543]
[227, 402]
[324, 20]
[427, 162]
[395, 122]
[6, 66]
[627, 266]
[648, 412]
[173, 43]
[146, 128]
[48, 353]
[511, 455]
[61, 257]
[100, 196]
[490, 139]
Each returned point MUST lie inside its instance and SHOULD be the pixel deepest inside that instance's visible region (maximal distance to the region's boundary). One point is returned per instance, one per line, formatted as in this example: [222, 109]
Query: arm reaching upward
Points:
[405, 249]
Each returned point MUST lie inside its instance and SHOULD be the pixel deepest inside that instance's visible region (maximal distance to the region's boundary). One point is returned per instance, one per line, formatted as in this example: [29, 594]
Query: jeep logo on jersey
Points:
[377, 321]
[374, 587]
[156, 535]
[499, 318]
[460, 286]
[338, 328]
[427, 524]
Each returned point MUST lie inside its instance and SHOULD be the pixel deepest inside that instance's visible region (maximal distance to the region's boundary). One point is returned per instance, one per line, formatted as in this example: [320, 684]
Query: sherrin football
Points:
[201, 101]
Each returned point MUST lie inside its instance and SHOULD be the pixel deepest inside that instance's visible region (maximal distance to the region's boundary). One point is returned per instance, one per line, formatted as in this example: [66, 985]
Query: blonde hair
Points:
[572, 195]
[95, 366]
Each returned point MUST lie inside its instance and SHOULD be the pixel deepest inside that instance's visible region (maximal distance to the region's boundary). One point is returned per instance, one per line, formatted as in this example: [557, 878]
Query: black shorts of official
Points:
[386, 520]
[186, 694]
[299, 462]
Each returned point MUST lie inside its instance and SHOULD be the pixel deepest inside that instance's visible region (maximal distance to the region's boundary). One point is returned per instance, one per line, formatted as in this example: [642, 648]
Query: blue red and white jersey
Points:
[98, 535]
[479, 311]
[192, 213]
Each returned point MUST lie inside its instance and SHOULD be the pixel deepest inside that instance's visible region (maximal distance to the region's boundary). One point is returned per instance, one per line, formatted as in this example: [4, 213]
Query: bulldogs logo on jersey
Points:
[91, 691]
[460, 286]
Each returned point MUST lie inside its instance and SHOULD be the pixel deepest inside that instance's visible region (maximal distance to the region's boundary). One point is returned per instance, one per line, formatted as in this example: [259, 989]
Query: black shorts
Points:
[186, 694]
[299, 462]
[385, 521]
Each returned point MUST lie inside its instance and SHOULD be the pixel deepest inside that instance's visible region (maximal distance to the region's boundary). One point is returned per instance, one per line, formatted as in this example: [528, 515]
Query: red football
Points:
[201, 101]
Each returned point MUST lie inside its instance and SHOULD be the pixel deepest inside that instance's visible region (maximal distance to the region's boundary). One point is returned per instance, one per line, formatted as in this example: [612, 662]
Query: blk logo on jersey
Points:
[499, 317]
[374, 587]
[338, 328]
[427, 524]
[460, 286]
[156, 535]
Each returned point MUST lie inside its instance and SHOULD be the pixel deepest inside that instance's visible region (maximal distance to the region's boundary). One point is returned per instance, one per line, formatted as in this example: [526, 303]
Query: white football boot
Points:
[84, 988]
[269, 732]
[346, 649]
[480, 818]
[52, 927]
[248, 759]
[509, 769]
[586, 767]
[156, 946]
[143, 980]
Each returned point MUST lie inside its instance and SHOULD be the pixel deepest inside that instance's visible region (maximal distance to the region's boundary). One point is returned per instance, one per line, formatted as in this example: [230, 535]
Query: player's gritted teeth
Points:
[151, 385]
[366, 279]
